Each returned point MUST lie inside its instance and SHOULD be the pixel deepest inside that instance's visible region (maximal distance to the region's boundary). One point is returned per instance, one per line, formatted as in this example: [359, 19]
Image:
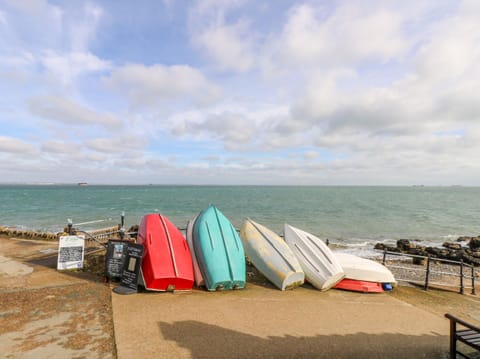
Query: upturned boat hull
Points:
[199, 281]
[362, 269]
[167, 262]
[321, 268]
[271, 256]
[359, 286]
[219, 251]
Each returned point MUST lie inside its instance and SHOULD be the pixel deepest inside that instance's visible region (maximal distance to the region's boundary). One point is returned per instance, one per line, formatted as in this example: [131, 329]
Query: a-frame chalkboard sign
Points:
[131, 269]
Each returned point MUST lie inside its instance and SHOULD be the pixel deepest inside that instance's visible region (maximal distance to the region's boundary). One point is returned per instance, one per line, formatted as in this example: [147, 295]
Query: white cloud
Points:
[228, 46]
[233, 126]
[66, 67]
[60, 147]
[84, 31]
[353, 33]
[66, 111]
[29, 6]
[117, 145]
[13, 145]
[147, 86]
[21, 59]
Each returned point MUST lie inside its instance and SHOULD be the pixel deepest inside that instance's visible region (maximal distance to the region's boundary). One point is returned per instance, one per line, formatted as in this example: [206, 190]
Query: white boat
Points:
[271, 255]
[321, 267]
[199, 281]
[363, 269]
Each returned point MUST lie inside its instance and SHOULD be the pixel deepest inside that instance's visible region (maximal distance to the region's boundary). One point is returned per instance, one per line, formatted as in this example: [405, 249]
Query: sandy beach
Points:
[50, 314]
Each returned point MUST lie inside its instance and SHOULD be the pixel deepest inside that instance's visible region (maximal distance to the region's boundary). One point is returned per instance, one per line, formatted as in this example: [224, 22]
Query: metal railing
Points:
[427, 270]
[99, 235]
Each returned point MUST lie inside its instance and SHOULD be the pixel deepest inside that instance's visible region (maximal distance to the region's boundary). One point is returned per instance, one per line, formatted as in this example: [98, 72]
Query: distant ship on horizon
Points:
[82, 183]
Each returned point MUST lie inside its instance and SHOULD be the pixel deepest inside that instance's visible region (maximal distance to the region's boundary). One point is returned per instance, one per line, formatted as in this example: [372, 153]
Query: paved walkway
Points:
[264, 322]
[258, 321]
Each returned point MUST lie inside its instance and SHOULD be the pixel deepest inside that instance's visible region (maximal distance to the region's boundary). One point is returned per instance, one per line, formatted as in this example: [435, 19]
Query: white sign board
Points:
[70, 252]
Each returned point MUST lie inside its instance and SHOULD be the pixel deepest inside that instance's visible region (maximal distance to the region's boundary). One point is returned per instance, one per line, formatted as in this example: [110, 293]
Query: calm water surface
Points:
[350, 216]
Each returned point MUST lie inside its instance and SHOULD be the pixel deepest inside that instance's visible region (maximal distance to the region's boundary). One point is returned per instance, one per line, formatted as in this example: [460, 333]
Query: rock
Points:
[475, 254]
[463, 239]
[449, 250]
[437, 252]
[379, 246]
[419, 251]
[418, 261]
[405, 244]
[471, 260]
[474, 243]
[450, 245]
[455, 255]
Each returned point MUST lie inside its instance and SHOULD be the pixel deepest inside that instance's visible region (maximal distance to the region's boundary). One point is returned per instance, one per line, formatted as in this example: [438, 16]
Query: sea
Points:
[352, 218]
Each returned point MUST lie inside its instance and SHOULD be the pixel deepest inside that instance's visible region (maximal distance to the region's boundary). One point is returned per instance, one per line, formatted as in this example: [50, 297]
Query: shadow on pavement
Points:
[211, 341]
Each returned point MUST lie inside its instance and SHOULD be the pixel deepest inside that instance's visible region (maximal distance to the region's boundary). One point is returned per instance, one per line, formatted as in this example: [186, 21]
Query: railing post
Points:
[384, 256]
[473, 280]
[69, 225]
[122, 226]
[461, 276]
[427, 273]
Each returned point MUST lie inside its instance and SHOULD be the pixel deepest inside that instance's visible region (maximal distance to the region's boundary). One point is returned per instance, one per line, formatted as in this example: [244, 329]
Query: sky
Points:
[240, 92]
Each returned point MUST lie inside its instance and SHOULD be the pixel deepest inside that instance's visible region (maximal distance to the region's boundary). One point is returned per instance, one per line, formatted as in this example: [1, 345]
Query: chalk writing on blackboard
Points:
[115, 258]
[131, 270]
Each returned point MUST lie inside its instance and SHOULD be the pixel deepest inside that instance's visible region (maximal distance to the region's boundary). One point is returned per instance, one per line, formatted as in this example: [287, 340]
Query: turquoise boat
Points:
[219, 251]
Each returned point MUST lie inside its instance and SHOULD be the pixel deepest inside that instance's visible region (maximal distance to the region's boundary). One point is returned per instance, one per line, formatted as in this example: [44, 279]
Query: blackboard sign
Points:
[70, 252]
[131, 269]
[115, 258]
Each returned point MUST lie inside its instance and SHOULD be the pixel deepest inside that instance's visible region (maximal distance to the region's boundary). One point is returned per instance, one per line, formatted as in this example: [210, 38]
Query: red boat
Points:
[359, 286]
[167, 262]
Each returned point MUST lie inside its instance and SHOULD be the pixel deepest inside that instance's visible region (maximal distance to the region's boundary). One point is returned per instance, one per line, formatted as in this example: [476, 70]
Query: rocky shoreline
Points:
[29, 234]
[466, 249]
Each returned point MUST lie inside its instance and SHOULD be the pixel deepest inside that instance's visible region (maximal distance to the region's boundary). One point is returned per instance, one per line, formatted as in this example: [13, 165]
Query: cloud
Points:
[11, 145]
[66, 111]
[347, 36]
[83, 30]
[147, 86]
[229, 46]
[117, 145]
[60, 147]
[67, 67]
[233, 126]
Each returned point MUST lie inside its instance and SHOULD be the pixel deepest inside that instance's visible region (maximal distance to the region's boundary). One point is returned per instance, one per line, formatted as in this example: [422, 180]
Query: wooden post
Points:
[384, 256]
[453, 339]
[427, 273]
[461, 277]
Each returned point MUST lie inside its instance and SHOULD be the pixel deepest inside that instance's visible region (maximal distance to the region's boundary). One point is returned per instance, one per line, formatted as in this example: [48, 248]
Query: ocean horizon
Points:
[351, 217]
